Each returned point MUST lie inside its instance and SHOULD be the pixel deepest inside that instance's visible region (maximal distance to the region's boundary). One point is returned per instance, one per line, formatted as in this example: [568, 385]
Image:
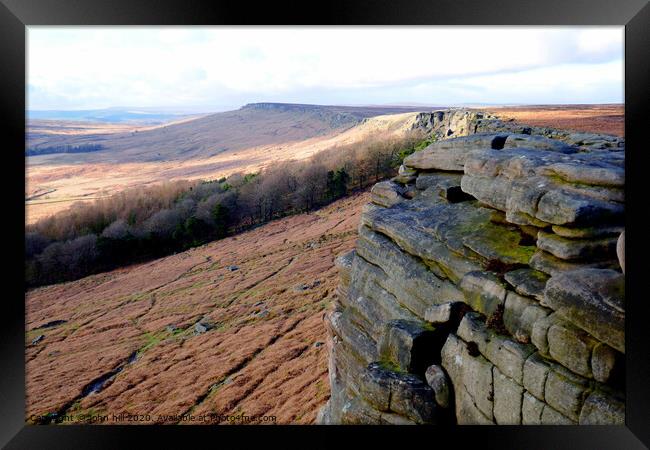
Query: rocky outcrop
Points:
[486, 284]
[451, 123]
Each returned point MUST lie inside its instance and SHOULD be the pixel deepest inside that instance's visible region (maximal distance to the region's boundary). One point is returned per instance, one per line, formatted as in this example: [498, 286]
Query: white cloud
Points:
[92, 67]
[562, 83]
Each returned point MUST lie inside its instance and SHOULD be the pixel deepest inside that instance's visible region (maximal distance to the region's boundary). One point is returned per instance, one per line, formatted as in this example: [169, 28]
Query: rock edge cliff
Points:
[486, 284]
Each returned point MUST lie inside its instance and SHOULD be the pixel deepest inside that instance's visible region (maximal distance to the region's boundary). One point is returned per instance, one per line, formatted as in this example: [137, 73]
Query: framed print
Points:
[325, 221]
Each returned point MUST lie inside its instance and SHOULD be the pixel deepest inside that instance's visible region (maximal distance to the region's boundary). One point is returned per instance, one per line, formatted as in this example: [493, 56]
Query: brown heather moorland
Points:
[262, 356]
[608, 119]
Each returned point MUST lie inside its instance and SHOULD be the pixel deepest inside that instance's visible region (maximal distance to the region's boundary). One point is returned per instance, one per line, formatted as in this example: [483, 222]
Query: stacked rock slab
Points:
[485, 286]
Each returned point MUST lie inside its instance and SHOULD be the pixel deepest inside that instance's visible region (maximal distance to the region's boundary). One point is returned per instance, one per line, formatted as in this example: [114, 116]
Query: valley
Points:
[209, 147]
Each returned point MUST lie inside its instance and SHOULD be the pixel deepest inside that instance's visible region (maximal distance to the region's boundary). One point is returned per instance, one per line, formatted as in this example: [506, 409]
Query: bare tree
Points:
[117, 230]
[312, 185]
[163, 223]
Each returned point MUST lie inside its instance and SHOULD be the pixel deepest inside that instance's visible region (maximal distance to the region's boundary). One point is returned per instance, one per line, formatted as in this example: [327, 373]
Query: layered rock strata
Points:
[485, 287]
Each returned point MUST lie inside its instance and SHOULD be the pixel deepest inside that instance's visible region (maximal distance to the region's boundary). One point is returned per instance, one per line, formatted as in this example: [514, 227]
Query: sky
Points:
[189, 69]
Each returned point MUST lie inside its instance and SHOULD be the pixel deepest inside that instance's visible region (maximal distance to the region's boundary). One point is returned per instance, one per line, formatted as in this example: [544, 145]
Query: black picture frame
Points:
[15, 15]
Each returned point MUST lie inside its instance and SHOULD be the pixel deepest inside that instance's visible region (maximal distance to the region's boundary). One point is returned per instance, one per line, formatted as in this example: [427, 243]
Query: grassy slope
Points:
[260, 358]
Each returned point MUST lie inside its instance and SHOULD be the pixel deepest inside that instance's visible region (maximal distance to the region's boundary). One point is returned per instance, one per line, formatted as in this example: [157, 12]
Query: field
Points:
[264, 294]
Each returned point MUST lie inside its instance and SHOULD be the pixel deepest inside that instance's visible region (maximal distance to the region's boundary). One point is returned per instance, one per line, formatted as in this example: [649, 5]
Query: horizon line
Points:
[354, 105]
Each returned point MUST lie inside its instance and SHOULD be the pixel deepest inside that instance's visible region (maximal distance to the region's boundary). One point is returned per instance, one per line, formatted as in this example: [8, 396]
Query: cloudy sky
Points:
[219, 68]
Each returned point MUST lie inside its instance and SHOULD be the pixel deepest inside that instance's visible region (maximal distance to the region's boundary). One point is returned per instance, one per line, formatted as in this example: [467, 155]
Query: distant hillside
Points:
[253, 125]
[360, 112]
[239, 141]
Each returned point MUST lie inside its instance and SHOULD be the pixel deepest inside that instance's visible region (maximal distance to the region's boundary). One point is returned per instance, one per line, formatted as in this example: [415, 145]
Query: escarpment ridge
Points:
[486, 283]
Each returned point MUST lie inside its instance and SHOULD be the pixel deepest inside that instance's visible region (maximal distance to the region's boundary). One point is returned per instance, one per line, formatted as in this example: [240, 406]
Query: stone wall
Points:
[485, 287]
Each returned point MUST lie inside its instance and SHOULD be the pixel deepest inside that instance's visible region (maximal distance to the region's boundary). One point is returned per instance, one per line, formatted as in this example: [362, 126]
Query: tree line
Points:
[142, 223]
